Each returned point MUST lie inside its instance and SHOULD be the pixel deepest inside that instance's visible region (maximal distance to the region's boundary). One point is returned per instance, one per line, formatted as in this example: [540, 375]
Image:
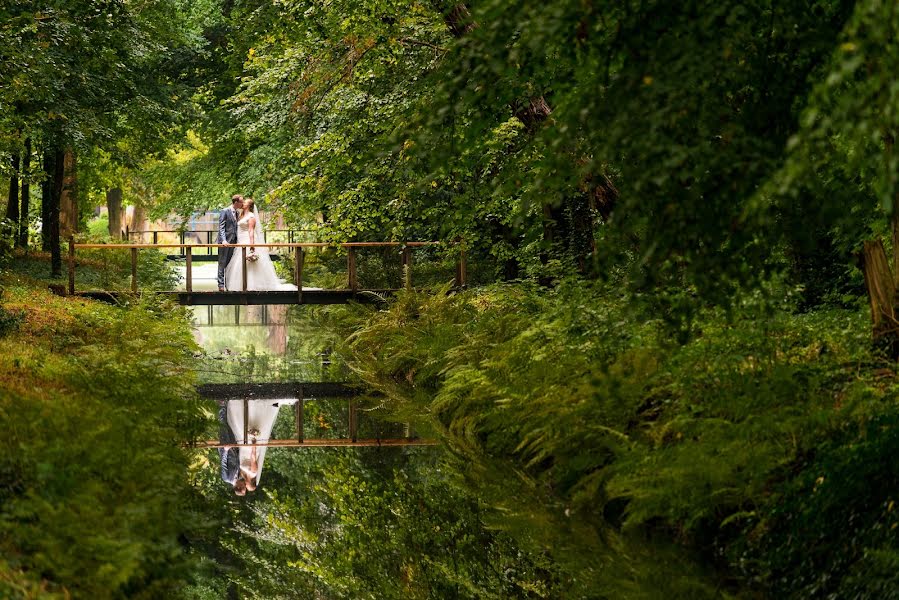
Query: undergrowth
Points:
[95, 402]
[649, 468]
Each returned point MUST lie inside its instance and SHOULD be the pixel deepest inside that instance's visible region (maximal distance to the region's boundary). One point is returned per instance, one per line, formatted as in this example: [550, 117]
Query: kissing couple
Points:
[239, 224]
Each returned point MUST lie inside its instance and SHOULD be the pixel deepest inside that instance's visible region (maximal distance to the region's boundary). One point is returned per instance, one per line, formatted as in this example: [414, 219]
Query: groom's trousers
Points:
[224, 258]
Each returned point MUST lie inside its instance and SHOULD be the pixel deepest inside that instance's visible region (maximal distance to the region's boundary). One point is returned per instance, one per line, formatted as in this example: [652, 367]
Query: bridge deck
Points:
[284, 389]
[217, 298]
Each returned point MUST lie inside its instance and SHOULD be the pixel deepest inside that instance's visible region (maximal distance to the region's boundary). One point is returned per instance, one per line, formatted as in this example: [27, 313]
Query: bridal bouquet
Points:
[252, 256]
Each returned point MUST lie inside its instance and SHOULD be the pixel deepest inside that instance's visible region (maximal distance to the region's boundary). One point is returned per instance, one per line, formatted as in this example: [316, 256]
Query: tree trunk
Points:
[68, 202]
[54, 169]
[137, 218]
[881, 295]
[114, 207]
[46, 196]
[12, 205]
[457, 18]
[24, 220]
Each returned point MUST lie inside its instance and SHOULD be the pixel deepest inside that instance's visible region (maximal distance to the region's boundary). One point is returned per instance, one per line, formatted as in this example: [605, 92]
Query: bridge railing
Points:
[299, 439]
[292, 236]
[299, 251]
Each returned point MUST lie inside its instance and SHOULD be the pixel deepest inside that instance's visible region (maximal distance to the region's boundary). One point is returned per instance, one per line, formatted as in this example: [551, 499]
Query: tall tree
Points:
[24, 220]
[12, 205]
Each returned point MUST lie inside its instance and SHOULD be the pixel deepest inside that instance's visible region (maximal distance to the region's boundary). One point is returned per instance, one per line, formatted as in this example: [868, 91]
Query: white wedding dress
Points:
[261, 415]
[261, 273]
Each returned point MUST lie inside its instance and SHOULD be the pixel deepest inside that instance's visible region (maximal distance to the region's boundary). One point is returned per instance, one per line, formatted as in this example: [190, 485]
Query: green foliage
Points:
[635, 449]
[346, 524]
[96, 401]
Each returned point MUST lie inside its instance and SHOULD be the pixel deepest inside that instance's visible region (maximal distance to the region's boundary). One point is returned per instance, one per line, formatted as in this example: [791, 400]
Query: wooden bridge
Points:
[188, 296]
[183, 236]
[250, 392]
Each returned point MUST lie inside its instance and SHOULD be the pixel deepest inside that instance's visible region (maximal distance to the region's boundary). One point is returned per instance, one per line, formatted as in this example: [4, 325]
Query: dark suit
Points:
[227, 235]
[230, 458]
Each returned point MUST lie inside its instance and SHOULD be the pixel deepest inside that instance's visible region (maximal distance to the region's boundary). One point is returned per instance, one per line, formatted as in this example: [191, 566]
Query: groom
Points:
[229, 457]
[227, 235]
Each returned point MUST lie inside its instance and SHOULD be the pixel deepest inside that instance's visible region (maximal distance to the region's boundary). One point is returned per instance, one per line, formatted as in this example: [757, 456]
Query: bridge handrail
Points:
[136, 231]
[273, 245]
[299, 255]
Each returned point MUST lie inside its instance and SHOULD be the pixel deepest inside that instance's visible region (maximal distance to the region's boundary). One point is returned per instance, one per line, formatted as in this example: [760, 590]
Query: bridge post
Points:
[298, 414]
[407, 268]
[352, 282]
[243, 252]
[189, 267]
[353, 423]
[71, 265]
[155, 237]
[461, 268]
[134, 270]
[299, 257]
[246, 421]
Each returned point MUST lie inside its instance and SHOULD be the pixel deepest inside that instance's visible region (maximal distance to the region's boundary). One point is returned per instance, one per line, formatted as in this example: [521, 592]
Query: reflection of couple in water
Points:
[241, 466]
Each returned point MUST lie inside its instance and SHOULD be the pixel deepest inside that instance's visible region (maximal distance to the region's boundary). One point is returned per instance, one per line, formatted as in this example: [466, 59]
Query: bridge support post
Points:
[298, 413]
[407, 268]
[246, 421]
[134, 270]
[461, 268]
[352, 282]
[71, 265]
[189, 268]
[243, 252]
[353, 422]
[299, 257]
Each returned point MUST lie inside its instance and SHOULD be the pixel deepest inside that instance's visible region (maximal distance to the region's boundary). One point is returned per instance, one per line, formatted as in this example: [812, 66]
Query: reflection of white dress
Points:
[261, 273]
[261, 415]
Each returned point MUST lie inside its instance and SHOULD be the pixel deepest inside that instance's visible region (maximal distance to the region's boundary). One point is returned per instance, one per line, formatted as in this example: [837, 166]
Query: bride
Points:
[261, 416]
[261, 273]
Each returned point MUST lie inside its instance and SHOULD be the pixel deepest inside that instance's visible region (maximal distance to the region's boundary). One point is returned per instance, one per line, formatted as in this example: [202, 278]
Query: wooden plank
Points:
[134, 270]
[407, 268]
[300, 257]
[251, 297]
[320, 443]
[243, 266]
[273, 391]
[352, 282]
[246, 421]
[277, 245]
[189, 269]
[461, 269]
[298, 408]
[71, 265]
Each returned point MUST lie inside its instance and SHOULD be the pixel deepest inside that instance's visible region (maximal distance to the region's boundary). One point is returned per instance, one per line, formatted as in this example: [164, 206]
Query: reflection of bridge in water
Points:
[302, 391]
[268, 316]
[352, 292]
